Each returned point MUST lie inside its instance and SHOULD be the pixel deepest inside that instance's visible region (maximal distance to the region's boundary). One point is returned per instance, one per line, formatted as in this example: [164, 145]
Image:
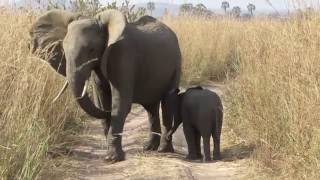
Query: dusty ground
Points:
[86, 159]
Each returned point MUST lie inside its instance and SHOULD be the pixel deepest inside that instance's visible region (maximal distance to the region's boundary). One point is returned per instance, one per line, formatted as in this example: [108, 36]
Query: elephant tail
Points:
[177, 73]
[174, 81]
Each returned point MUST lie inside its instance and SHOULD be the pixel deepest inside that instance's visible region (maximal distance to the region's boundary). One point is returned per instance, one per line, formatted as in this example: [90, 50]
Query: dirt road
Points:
[87, 158]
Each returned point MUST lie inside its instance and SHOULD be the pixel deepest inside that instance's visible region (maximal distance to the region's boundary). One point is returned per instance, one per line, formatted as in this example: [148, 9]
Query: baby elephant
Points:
[201, 112]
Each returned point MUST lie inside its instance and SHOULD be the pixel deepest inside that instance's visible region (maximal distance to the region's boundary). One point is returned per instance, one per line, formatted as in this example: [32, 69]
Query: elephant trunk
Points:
[77, 79]
[176, 124]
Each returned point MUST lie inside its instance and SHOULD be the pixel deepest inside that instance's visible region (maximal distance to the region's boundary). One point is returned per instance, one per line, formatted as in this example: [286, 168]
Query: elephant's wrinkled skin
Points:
[141, 60]
[201, 112]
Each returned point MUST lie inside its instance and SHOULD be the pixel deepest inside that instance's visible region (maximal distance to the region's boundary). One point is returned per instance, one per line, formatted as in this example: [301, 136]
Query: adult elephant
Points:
[141, 60]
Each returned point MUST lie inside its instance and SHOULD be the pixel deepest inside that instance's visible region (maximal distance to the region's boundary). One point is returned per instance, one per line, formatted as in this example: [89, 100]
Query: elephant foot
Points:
[217, 157]
[167, 147]
[193, 157]
[207, 159]
[152, 144]
[199, 156]
[114, 156]
[114, 151]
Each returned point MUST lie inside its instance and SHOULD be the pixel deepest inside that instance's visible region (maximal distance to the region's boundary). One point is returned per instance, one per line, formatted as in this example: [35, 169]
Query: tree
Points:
[251, 8]
[186, 8]
[201, 10]
[225, 5]
[198, 10]
[166, 12]
[236, 11]
[201, 7]
[151, 7]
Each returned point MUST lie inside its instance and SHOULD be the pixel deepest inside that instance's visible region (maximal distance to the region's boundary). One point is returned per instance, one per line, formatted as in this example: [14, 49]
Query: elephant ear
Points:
[47, 34]
[115, 22]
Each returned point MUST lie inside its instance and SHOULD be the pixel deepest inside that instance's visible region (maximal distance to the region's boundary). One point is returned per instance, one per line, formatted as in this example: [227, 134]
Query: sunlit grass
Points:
[30, 125]
[209, 47]
[272, 71]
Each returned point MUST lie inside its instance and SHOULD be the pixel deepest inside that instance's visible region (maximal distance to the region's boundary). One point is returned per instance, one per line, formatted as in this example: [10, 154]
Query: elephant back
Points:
[145, 20]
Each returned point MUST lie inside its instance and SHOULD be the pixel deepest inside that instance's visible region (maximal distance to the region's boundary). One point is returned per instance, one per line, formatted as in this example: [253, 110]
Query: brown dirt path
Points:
[86, 159]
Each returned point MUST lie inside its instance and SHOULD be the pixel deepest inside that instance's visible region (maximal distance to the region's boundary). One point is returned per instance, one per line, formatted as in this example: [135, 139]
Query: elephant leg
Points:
[191, 141]
[198, 145]
[206, 148]
[118, 116]
[155, 129]
[167, 121]
[102, 98]
[216, 136]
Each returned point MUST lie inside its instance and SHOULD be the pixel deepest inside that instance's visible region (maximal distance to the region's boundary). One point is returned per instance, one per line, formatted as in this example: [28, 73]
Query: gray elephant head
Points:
[77, 47]
[86, 47]
[47, 34]
[176, 100]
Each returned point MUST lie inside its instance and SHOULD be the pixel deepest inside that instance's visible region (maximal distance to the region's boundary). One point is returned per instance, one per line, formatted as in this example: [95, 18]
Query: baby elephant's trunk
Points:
[173, 130]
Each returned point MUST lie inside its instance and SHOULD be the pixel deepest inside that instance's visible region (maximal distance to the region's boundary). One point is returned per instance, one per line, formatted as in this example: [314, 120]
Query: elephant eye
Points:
[43, 26]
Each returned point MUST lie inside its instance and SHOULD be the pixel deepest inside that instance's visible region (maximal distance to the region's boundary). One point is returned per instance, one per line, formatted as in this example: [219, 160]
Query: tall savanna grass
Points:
[209, 47]
[30, 125]
[273, 101]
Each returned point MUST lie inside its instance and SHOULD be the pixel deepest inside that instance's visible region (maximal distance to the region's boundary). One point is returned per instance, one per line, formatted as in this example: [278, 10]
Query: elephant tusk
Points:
[90, 63]
[61, 91]
[155, 133]
[84, 92]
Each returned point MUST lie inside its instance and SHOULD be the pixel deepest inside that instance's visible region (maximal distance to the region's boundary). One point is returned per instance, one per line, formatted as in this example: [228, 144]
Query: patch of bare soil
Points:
[86, 160]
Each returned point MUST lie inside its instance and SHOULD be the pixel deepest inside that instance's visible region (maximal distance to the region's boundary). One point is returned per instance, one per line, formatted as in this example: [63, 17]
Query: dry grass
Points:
[30, 126]
[209, 47]
[274, 99]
